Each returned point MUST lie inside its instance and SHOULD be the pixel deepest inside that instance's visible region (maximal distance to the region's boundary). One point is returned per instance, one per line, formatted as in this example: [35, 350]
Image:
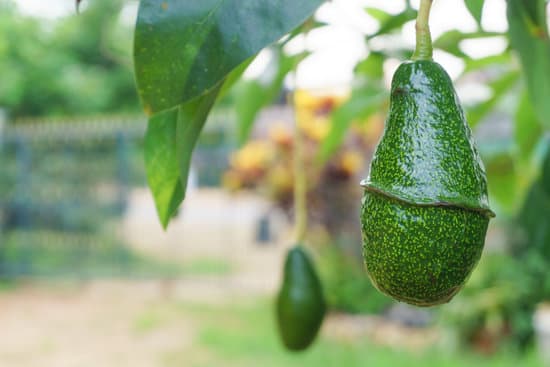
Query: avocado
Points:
[300, 303]
[425, 210]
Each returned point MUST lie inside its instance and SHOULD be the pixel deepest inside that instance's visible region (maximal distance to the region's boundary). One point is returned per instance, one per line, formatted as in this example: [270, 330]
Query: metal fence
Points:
[64, 186]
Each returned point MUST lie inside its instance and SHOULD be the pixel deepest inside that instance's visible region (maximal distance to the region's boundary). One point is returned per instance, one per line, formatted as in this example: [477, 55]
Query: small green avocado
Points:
[425, 210]
[300, 304]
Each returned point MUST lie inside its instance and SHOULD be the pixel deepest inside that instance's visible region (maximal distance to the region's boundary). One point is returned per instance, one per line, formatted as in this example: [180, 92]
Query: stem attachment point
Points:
[424, 49]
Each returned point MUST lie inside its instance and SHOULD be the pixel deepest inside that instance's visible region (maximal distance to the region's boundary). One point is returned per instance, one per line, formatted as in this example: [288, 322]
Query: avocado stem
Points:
[300, 183]
[424, 49]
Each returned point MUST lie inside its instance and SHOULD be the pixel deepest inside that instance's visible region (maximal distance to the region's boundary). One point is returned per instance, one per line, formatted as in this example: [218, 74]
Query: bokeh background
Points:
[89, 278]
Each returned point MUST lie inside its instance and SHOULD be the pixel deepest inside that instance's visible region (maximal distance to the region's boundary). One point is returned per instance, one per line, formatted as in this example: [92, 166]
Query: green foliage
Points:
[162, 164]
[251, 95]
[487, 304]
[183, 52]
[390, 22]
[528, 31]
[242, 335]
[499, 88]
[527, 128]
[506, 287]
[367, 98]
[475, 7]
[182, 49]
[347, 289]
[77, 65]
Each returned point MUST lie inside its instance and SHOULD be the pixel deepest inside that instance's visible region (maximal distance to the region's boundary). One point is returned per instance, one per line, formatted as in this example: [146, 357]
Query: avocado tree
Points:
[95, 65]
[187, 55]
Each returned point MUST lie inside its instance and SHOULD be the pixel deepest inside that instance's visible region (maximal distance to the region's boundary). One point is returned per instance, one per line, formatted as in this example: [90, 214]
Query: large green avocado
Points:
[425, 210]
[300, 304]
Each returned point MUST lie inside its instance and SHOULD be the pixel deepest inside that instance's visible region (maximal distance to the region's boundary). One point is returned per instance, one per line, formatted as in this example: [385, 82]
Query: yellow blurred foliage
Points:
[280, 134]
[281, 179]
[313, 112]
[255, 155]
[352, 162]
[231, 180]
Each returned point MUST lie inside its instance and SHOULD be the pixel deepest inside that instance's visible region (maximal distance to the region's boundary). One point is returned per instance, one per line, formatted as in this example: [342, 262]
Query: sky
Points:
[337, 47]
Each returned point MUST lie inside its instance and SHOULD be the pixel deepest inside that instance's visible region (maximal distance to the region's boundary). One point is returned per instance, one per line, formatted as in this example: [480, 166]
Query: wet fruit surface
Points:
[420, 254]
[425, 210]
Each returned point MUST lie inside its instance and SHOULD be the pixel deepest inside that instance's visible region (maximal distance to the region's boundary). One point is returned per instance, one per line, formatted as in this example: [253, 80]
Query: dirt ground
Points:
[101, 323]
[141, 322]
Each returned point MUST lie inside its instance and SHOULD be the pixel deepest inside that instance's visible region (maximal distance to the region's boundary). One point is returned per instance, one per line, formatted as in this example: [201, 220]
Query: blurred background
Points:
[89, 278]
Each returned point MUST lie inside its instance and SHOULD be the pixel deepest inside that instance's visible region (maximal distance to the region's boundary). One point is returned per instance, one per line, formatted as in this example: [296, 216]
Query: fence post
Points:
[122, 169]
[21, 203]
[123, 161]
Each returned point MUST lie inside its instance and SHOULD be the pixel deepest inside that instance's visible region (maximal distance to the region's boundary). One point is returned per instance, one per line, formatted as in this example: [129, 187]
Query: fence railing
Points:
[62, 186]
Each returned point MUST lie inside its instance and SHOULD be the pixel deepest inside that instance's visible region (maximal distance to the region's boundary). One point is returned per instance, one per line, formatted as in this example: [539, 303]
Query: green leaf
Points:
[528, 31]
[363, 103]
[390, 22]
[372, 67]
[545, 176]
[502, 181]
[169, 142]
[533, 217]
[499, 88]
[527, 128]
[184, 48]
[475, 7]
[503, 59]
[234, 77]
[252, 95]
[450, 41]
[161, 164]
[191, 119]
[378, 14]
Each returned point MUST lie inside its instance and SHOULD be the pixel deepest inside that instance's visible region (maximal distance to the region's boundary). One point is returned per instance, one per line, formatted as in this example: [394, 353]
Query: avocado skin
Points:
[421, 255]
[300, 303]
[427, 154]
[425, 209]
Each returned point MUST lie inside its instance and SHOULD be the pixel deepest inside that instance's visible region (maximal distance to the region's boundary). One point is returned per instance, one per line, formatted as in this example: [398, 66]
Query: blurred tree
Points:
[80, 64]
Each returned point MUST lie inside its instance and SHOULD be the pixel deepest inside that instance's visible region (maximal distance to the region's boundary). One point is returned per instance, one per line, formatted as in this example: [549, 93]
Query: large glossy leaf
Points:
[191, 119]
[161, 164]
[169, 142]
[184, 48]
[528, 31]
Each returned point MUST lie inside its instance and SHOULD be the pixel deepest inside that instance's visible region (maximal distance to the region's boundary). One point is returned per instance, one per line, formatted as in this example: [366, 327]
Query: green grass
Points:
[207, 266]
[150, 320]
[245, 335]
[59, 254]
